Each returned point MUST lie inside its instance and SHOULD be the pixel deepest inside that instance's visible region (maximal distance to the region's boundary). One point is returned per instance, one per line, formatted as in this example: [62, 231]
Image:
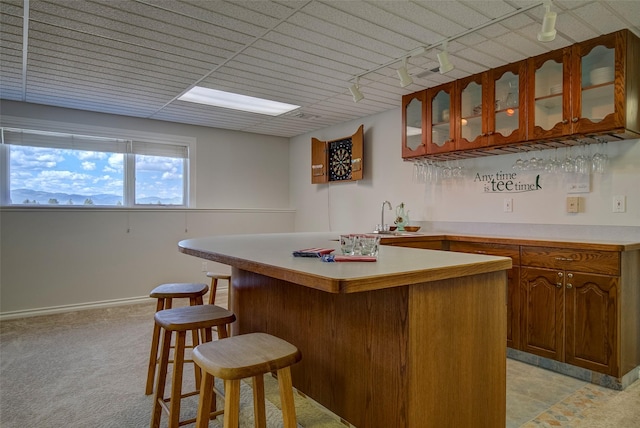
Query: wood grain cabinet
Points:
[513, 281]
[570, 306]
[414, 124]
[441, 117]
[586, 89]
[584, 93]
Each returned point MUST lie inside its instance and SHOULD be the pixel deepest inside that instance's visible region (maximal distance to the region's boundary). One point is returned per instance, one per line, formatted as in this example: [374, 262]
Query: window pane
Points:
[47, 176]
[159, 180]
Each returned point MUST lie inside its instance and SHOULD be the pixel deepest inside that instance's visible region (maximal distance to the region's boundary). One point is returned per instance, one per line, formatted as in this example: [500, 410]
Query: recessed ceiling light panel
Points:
[229, 100]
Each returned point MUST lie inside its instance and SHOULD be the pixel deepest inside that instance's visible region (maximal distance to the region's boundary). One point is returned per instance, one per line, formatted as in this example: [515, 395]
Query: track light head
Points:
[443, 59]
[355, 91]
[548, 31]
[403, 74]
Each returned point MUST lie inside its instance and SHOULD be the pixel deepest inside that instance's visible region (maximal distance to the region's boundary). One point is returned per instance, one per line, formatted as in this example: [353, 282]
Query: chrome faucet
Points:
[388, 204]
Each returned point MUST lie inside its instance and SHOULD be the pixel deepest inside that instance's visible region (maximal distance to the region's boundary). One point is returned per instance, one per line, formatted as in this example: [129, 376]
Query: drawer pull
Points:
[565, 259]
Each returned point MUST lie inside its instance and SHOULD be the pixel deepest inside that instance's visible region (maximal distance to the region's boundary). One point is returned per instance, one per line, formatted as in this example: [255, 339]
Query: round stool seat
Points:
[193, 317]
[218, 275]
[248, 355]
[179, 290]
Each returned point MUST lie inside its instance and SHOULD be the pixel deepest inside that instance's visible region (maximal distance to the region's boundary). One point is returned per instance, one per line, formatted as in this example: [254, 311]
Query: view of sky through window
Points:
[80, 177]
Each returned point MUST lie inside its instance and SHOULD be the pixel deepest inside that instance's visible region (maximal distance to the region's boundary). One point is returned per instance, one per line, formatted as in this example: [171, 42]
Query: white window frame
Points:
[138, 137]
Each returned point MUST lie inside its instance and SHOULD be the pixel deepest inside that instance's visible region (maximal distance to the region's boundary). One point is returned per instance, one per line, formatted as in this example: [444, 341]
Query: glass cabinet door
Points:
[472, 123]
[413, 138]
[593, 100]
[549, 95]
[507, 121]
[440, 132]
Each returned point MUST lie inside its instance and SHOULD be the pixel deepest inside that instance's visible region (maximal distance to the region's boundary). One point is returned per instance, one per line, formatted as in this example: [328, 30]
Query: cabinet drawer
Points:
[604, 262]
[503, 250]
[425, 245]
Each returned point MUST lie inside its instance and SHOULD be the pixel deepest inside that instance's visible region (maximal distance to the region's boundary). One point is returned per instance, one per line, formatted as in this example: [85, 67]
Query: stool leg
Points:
[222, 331]
[204, 404]
[162, 377]
[212, 291]
[231, 403]
[208, 337]
[259, 412]
[286, 398]
[176, 382]
[153, 355]
[195, 342]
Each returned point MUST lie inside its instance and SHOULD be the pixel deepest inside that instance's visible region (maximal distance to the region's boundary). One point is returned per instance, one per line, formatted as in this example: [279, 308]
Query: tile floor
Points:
[539, 398]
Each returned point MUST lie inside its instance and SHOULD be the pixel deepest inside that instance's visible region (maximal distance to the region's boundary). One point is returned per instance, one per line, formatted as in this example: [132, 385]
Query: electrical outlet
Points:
[507, 205]
[204, 267]
[619, 204]
[573, 204]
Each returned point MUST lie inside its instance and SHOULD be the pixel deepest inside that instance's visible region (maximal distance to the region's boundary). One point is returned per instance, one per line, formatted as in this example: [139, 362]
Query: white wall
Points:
[53, 258]
[249, 183]
[356, 205]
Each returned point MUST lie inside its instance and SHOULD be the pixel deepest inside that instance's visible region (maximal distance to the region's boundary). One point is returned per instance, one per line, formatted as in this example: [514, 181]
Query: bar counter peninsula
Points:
[415, 339]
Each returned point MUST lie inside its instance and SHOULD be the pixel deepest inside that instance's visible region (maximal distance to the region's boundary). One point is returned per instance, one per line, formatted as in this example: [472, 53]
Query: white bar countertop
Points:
[271, 255]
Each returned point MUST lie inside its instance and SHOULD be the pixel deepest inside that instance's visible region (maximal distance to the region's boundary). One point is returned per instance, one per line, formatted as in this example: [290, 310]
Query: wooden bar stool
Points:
[214, 284]
[181, 320]
[247, 355]
[165, 294]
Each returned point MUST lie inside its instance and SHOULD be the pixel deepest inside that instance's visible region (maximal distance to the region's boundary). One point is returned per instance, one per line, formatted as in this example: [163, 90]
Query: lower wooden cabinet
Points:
[567, 315]
[591, 322]
[574, 303]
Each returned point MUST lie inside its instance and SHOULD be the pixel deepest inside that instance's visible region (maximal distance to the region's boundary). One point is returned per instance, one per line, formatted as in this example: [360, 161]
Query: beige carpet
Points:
[88, 368]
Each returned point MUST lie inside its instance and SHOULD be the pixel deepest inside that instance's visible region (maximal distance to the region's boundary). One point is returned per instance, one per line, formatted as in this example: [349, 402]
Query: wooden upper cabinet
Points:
[471, 103]
[337, 160]
[441, 115]
[507, 104]
[414, 124]
[585, 89]
[588, 91]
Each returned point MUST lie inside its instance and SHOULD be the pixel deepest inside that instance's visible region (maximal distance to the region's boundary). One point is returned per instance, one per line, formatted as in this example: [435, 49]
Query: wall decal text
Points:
[507, 182]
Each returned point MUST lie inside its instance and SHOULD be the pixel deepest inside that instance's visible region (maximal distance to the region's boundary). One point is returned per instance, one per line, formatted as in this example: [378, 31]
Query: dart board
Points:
[340, 160]
[337, 160]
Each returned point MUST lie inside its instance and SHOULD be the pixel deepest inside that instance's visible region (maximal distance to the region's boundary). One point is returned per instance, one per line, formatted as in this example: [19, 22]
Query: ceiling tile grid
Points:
[136, 57]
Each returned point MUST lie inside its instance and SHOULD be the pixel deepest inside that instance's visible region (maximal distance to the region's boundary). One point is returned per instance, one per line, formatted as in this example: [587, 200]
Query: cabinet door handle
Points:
[569, 275]
[564, 259]
[558, 285]
[560, 274]
[569, 285]
[575, 119]
[564, 122]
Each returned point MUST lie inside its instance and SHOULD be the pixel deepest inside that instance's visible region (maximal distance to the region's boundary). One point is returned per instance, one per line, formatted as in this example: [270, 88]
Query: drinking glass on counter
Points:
[369, 244]
[347, 243]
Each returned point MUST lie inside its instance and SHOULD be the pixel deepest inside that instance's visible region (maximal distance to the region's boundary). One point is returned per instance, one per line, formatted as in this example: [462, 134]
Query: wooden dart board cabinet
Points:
[337, 160]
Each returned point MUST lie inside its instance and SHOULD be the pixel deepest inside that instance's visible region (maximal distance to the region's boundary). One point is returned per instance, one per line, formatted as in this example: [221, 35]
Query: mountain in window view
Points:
[34, 197]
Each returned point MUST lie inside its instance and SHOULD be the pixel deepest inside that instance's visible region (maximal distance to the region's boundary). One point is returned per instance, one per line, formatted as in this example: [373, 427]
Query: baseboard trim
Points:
[72, 308]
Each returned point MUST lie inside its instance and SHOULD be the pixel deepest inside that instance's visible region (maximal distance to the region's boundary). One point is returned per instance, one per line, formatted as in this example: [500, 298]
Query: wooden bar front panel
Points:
[424, 355]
